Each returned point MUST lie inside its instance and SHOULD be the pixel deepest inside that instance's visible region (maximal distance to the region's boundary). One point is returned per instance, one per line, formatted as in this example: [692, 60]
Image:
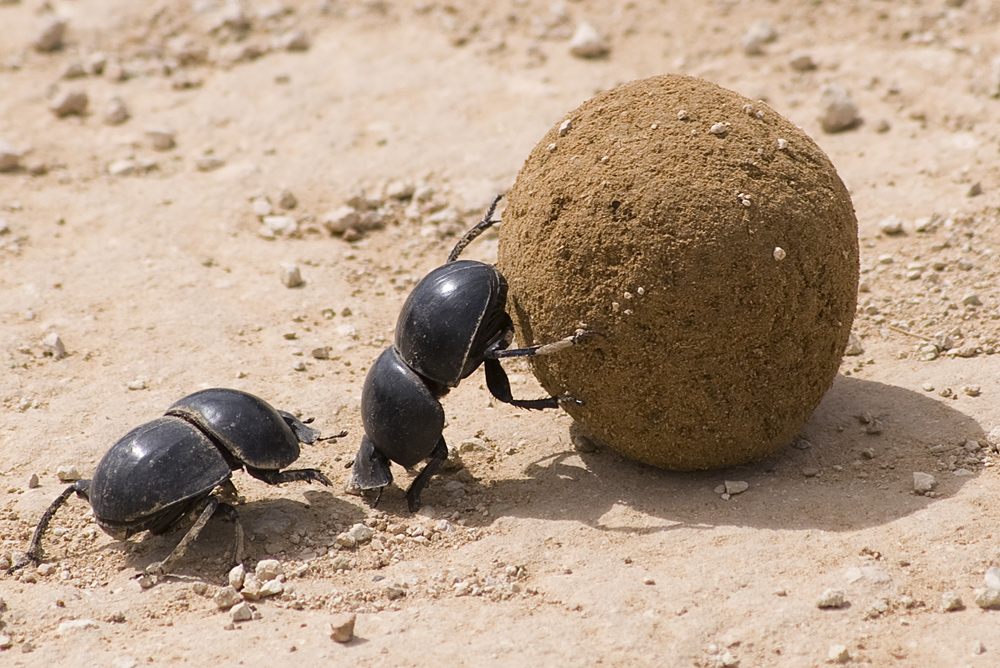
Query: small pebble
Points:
[137, 384]
[10, 157]
[291, 277]
[236, 576]
[268, 569]
[70, 103]
[50, 37]
[720, 129]
[53, 346]
[278, 226]
[68, 473]
[287, 199]
[342, 627]
[951, 602]
[891, 226]
[241, 612]
[161, 139]
[831, 598]
[116, 112]
[227, 597]
[978, 647]
[33, 481]
[757, 35]
[586, 42]
[394, 592]
[736, 487]
[76, 625]
[802, 61]
[838, 111]
[779, 253]
[838, 654]
[992, 577]
[208, 162]
[923, 482]
[854, 346]
[988, 598]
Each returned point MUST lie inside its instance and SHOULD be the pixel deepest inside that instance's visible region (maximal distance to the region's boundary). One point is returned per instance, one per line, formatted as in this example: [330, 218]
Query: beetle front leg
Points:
[573, 339]
[499, 387]
[438, 456]
[234, 517]
[207, 508]
[81, 488]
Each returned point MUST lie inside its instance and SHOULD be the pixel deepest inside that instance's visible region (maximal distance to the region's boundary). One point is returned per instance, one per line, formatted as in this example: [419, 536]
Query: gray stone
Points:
[831, 598]
[236, 576]
[923, 482]
[291, 277]
[241, 612]
[51, 35]
[586, 42]
[68, 473]
[988, 598]
[116, 112]
[10, 157]
[268, 569]
[227, 597]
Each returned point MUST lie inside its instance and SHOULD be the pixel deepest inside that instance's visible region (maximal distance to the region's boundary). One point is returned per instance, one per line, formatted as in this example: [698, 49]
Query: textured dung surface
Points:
[634, 222]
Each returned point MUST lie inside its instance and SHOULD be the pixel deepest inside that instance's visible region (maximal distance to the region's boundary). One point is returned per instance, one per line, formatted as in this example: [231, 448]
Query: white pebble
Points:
[291, 277]
[854, 346]
[779, 253]
[719, 129]
[802, 61]
[341, 219]
[53, 346]
[361, 533]
[268, 569]
[565, 127]
[68, 473]
[992, 577]
[76, 625]
[759, 34]
[782, 144]
[588, 43]
[891, 226]
[831, 598]
[736, 486]
[241, 612]
[838, 654]
[236, 576]
[837, 110]
[227, 597]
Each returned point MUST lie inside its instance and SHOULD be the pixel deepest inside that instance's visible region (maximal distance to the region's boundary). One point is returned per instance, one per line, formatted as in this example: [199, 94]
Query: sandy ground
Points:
[151, 268]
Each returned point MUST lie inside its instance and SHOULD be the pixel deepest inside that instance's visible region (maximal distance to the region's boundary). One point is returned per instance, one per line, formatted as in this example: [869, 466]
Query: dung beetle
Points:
[163, 470]
[454, 321]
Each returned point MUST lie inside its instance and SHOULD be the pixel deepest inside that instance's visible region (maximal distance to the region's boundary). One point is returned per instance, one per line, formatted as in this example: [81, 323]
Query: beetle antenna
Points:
[478, 229]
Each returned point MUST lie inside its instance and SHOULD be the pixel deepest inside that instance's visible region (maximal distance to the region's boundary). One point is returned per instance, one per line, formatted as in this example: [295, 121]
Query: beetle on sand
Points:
[163, 470]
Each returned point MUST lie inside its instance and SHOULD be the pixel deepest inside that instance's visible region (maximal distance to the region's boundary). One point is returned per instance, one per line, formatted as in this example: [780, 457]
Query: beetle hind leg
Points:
[438, 457]
[293, 475]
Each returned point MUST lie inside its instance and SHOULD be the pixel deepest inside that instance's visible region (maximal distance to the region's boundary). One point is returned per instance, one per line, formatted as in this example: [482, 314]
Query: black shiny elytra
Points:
[162, 470]
[454, 321]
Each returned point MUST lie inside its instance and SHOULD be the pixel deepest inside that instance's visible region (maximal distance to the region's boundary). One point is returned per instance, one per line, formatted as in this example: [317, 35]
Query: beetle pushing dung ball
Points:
[163, 470]
[454, 321]
[713, 245]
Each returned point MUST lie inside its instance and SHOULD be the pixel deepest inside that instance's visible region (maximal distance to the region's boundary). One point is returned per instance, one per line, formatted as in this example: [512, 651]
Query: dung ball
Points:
[713, 248]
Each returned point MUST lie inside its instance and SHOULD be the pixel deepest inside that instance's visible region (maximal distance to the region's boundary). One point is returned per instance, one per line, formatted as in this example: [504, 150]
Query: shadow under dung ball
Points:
[713, 245]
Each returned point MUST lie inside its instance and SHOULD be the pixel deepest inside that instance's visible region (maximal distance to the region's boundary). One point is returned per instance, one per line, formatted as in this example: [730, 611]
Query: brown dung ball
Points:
[711, 244]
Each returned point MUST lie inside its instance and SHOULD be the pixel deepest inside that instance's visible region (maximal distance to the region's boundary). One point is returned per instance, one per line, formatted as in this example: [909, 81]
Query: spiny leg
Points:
[295, 475]
[478, 229]
[439, 455]
[80, 487]
[234, 517]
[207, 507]
[302, 432]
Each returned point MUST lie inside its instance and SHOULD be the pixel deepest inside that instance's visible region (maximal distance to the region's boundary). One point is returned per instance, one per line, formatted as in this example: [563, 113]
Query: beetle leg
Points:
[499, 386]
[294, 475]
[302, 432]
[543, 349]
[234, 517]
[438, 457]
[207, 506]
[81, 488]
